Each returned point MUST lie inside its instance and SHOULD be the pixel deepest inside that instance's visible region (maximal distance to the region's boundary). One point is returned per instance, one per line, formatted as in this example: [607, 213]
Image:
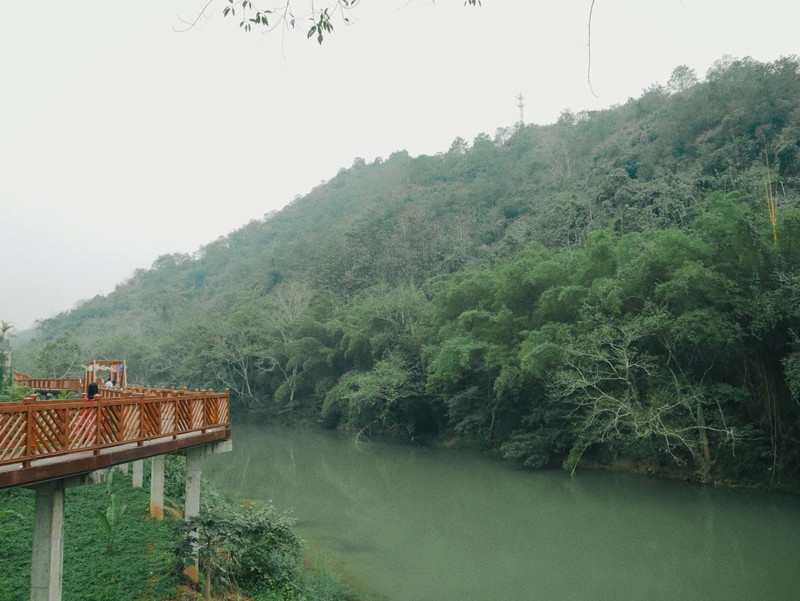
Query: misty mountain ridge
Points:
[643, 164]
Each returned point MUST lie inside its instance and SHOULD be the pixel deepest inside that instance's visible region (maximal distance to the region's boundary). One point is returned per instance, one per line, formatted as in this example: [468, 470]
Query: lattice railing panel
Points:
[151, 419]
[196, 414]
[167, 418]
[48, 431]
[184, 414]
[224, 411]
[211, 411]
[82, 427]
[131, 419]
[111, 425]
[13, 432]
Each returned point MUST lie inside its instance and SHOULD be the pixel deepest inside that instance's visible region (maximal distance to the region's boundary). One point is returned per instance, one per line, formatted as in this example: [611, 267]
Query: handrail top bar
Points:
[110, 400]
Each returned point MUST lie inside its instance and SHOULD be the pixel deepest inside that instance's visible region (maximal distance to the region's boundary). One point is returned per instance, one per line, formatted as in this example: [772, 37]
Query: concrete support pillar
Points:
[48, 542]
[123, 468]
[99, 476]
[138, 473]
[157, 487]
[194, 458]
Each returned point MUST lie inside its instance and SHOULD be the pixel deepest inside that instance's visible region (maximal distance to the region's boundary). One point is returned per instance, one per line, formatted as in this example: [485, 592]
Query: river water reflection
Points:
[422, 524]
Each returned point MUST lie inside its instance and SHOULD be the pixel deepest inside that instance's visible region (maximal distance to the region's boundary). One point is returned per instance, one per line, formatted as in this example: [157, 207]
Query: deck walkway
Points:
[45, 440]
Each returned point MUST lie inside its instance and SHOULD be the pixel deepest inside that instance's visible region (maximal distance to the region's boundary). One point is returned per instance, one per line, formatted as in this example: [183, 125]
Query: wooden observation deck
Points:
[51, 444]
[46, 440]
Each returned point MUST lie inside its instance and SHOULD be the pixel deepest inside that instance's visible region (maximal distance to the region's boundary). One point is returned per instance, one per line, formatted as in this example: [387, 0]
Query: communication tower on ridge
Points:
[521, 105]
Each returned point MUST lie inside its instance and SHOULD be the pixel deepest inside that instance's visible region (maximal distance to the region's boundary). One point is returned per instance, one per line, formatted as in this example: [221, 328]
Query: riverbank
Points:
[133, 557]
[324, 561]
[718, 479]
[746, 480]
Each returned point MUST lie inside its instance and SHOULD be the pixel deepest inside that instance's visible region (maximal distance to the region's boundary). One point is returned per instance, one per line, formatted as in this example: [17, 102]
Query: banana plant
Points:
[111, 517]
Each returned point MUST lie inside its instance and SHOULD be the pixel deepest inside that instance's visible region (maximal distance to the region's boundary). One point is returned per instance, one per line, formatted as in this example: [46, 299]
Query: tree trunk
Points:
[704, 463]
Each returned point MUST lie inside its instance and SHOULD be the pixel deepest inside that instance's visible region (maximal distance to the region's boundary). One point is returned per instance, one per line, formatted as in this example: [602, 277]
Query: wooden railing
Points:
[75, 384]
[148, 390]
[33, 430]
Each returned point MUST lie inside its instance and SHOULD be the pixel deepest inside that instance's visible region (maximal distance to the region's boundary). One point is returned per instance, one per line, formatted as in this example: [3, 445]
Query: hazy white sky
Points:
[122, 139]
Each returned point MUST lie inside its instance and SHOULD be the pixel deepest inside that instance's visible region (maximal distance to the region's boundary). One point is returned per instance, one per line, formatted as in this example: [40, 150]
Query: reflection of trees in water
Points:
[428, 512]
[282, 465]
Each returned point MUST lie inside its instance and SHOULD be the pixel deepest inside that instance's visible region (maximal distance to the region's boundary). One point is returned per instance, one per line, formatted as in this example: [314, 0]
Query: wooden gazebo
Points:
[110, 370]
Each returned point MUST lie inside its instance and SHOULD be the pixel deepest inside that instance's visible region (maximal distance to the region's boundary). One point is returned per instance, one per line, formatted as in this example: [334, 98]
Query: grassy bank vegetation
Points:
[114, 550]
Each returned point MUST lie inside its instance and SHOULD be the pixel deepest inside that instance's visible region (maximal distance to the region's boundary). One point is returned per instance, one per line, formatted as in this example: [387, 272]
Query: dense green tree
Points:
[383, 399]
[5, 351]
[682, 79]
[622, 393]
[61, 357]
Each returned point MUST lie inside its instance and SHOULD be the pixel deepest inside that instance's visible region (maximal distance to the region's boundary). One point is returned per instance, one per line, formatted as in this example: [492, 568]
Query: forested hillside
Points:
[621, 287]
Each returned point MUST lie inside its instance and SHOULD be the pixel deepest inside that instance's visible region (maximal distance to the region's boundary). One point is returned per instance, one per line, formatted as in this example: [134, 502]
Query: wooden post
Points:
[63, 415]
[140, 437]
[29, 445]
[97, 436]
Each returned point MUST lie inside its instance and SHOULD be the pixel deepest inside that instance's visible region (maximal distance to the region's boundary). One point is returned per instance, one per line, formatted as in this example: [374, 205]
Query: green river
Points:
[410, 523]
